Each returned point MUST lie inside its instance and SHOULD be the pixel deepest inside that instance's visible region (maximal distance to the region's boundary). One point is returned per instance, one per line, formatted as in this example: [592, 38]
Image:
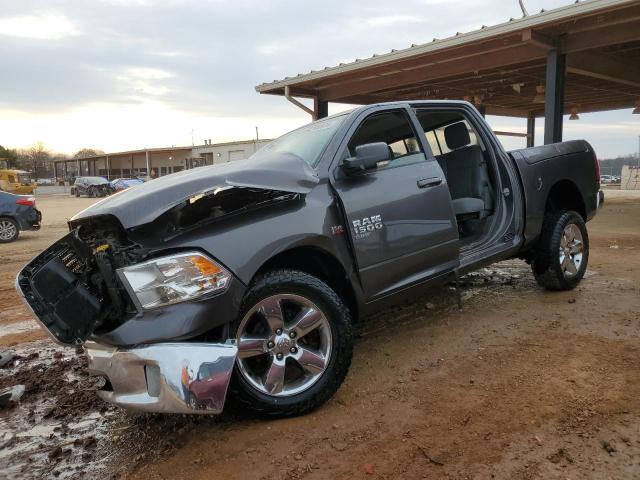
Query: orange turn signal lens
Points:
[206, 266]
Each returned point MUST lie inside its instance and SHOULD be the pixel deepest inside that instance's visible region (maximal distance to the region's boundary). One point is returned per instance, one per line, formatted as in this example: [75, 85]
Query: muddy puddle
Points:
[442, 299]
[18, 327]
[56, 428]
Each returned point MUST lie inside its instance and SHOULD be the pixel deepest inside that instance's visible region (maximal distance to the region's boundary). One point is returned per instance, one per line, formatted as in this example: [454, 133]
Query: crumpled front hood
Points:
[144, 203]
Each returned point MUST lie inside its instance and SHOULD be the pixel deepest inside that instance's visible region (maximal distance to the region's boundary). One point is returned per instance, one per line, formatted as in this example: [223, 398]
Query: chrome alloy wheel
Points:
[7, 230]
[571, 250]
[284, 345]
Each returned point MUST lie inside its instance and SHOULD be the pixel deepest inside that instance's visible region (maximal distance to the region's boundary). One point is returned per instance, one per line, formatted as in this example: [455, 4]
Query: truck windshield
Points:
[24, 178]
[307, 142]
[95, 180]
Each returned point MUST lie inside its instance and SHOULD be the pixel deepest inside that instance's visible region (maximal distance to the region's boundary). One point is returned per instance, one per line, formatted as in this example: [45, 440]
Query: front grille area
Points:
[64, 288]
[72, 261]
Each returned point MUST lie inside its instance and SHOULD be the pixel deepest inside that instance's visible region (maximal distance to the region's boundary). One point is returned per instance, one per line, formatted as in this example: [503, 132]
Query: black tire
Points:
[546, 265]
[245, 397]
[12, 232]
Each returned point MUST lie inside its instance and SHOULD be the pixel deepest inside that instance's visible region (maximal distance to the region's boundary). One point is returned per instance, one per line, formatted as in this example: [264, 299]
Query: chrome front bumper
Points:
[165, 377]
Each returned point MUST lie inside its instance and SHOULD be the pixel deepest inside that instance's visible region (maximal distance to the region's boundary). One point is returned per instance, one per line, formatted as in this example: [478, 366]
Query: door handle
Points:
[429, 182]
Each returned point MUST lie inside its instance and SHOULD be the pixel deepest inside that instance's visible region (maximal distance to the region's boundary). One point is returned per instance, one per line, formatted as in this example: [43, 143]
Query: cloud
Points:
[272, 48]
[388, 20]
[196, 62]
[39, 27]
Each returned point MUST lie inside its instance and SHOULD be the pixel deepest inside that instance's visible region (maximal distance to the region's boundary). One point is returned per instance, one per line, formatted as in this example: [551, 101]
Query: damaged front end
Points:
[209, 206]
[151, 309]
[72, 288]
[81, 288]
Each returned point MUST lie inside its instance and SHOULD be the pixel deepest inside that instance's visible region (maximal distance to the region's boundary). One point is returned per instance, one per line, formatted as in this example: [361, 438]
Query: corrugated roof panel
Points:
[483, 33]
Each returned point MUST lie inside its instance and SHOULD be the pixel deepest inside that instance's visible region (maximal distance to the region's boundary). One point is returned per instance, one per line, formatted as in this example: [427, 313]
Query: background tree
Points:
[10, 156]
[613, 166]
[37, 160]
[87, 152]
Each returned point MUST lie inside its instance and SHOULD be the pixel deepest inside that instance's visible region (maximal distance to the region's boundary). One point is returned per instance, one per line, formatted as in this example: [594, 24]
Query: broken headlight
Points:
[174, 278]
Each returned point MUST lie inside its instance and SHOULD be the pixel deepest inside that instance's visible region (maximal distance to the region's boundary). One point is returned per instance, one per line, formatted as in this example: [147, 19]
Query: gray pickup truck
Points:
[244, 279]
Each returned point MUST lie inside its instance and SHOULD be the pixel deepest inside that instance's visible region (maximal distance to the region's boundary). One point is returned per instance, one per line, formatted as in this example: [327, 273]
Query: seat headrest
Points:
[457, 136]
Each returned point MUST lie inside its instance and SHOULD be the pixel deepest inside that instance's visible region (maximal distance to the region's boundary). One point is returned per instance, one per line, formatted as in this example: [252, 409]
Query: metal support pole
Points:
[108, 161]
[288, 96]
[148, 159]
[321, 109]
[531, 130]
[554, 96]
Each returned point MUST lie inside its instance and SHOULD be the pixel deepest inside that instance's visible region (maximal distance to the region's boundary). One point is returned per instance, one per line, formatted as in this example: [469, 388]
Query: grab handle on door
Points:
[429, 182]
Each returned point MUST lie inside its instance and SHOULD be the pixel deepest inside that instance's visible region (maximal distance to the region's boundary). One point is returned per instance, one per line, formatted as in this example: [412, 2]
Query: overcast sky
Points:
[128, 74]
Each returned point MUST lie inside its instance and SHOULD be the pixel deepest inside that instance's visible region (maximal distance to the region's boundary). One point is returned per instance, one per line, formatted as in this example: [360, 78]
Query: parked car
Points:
[258, 269]
[17, 212]
[16, 181]
[46, 181]
[607, 179]
[91, 187]
[123, 183]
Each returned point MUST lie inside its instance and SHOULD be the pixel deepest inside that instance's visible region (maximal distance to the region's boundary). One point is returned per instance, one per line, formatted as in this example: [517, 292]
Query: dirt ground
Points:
[520, 384]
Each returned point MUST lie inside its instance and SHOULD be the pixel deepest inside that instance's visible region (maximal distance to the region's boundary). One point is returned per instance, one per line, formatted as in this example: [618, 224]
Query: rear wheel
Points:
[563, 253]
[294, 345]
[9, 230]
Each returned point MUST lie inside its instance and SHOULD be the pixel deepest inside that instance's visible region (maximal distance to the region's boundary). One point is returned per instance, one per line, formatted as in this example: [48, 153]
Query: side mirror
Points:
[367, 156]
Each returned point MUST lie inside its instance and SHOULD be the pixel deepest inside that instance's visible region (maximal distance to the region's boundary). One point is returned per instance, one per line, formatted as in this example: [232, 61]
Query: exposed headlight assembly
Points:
[174, 278]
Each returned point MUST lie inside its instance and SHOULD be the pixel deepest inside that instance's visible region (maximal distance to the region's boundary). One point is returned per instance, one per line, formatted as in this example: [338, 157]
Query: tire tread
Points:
[545, 269]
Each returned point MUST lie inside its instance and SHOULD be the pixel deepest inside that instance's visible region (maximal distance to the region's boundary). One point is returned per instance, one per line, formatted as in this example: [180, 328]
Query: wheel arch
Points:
[318, 262]
[11, 217]
[565, 195]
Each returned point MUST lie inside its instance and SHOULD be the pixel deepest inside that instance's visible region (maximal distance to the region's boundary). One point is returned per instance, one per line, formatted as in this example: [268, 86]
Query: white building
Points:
[630, 178]
[155, 162]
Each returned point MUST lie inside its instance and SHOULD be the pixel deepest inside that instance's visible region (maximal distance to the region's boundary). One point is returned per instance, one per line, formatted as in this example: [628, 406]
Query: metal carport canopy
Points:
[584, 57]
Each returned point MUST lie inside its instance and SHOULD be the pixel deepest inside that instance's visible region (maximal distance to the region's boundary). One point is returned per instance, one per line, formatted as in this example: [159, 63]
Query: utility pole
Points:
[255, 144]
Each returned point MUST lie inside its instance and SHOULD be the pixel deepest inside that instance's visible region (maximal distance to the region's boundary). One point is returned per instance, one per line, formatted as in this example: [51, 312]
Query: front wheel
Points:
[563, 252]
[294, 342]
